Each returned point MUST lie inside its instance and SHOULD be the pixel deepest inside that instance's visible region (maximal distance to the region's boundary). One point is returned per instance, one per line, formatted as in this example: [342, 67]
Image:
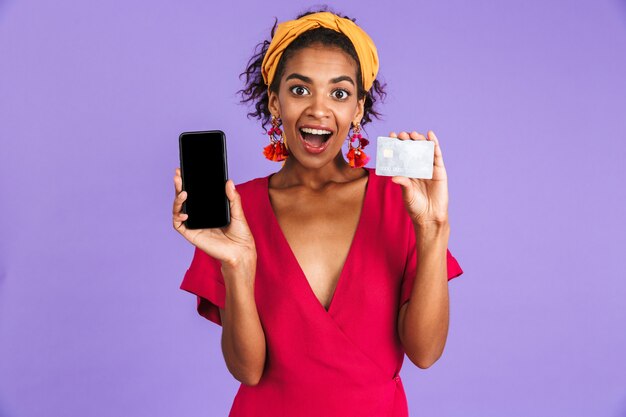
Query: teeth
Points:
[316, 131]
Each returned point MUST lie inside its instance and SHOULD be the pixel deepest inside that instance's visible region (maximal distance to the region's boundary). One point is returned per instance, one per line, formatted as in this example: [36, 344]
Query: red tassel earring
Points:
[356, 157]
[277, 149]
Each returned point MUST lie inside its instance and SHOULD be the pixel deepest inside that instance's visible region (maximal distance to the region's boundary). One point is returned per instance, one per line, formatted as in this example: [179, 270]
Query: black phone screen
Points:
[204, 173]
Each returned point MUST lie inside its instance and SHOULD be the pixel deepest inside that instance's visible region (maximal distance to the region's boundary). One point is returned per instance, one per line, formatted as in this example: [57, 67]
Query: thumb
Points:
[405, 183]
[236, 211]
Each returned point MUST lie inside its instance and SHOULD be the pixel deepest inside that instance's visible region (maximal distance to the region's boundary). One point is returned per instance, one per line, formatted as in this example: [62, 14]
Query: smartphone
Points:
[204, 172]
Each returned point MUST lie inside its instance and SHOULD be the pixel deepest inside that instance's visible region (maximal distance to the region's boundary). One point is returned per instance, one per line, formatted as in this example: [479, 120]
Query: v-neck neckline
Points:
[348, 261]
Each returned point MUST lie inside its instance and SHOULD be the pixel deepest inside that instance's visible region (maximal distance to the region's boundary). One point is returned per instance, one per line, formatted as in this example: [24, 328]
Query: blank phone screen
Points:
[204, 172]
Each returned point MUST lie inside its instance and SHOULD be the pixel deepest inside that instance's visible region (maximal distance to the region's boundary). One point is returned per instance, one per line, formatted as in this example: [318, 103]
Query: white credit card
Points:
[406, 158]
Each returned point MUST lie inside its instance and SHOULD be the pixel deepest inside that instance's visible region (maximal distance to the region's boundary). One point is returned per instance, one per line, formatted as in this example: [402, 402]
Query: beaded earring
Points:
[356, 157]
[277, 149]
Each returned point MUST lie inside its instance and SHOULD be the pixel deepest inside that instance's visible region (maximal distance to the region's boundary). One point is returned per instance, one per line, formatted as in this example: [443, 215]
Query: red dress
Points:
[336, 363]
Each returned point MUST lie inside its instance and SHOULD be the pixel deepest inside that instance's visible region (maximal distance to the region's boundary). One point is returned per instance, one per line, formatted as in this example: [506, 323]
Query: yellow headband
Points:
[287, 32]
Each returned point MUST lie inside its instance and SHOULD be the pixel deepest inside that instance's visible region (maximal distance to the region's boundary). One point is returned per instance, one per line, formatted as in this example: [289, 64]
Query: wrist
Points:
[432, 228]
[432, 235]
[243, 264]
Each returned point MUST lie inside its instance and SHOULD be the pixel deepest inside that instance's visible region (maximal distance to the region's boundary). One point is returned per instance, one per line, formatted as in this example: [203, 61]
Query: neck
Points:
[293, 173]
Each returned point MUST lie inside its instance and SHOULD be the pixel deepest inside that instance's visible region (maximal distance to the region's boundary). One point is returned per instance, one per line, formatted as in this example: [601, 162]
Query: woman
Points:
[327, 274]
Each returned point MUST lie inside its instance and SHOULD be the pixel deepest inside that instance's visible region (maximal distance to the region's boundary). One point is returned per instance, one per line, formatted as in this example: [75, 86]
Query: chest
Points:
[319, 228]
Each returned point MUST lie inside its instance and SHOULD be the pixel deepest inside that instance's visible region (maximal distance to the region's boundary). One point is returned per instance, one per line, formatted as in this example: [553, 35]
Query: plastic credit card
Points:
[406, 158]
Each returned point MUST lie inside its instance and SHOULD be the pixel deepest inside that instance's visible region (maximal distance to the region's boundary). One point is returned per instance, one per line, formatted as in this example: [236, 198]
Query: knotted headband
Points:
[287, 32]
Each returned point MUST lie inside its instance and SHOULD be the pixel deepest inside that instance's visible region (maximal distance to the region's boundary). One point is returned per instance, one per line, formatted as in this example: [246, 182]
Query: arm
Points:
[423, 320]
[243, 339]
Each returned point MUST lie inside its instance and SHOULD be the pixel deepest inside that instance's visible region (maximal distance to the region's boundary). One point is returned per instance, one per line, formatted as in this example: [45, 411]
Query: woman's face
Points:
[317, 103]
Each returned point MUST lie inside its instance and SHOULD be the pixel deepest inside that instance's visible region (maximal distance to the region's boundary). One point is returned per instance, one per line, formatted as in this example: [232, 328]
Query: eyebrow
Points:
[308, 80]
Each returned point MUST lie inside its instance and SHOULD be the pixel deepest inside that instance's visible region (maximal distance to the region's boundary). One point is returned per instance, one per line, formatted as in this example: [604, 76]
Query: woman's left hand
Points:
[426, 200]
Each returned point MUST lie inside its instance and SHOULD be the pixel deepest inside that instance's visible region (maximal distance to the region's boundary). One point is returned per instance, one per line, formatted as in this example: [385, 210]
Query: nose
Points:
[318, 107]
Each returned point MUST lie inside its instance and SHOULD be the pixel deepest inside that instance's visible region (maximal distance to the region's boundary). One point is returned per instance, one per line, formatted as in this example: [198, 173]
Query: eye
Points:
[340, 94]
[299, 90]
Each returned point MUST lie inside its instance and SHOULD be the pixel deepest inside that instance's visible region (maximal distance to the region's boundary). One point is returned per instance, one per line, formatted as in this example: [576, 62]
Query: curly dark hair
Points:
[255, 90]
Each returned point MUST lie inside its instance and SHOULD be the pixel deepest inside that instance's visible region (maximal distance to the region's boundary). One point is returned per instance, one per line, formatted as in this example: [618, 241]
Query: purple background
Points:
[528, 99]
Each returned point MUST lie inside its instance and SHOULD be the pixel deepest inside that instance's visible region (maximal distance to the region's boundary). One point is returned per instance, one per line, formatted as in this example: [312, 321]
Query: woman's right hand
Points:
[230, 244]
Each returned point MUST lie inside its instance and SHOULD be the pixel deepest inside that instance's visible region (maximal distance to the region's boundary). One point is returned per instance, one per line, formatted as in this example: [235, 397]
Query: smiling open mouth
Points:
[315, 137]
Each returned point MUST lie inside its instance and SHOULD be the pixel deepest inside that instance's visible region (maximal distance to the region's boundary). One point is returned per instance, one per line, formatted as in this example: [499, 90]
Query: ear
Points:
[360, 111]
[273, 104]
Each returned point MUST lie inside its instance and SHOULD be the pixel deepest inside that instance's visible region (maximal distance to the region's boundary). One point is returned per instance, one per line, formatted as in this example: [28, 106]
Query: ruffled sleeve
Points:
[204, 279]
[454, 269]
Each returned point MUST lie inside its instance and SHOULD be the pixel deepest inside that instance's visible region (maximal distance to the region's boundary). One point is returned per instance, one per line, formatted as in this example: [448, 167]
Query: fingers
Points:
[180, 196]
[438, 154]
[178, 203]
[178, 216]
[405, 135]
[178, 182]
[417, 136]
